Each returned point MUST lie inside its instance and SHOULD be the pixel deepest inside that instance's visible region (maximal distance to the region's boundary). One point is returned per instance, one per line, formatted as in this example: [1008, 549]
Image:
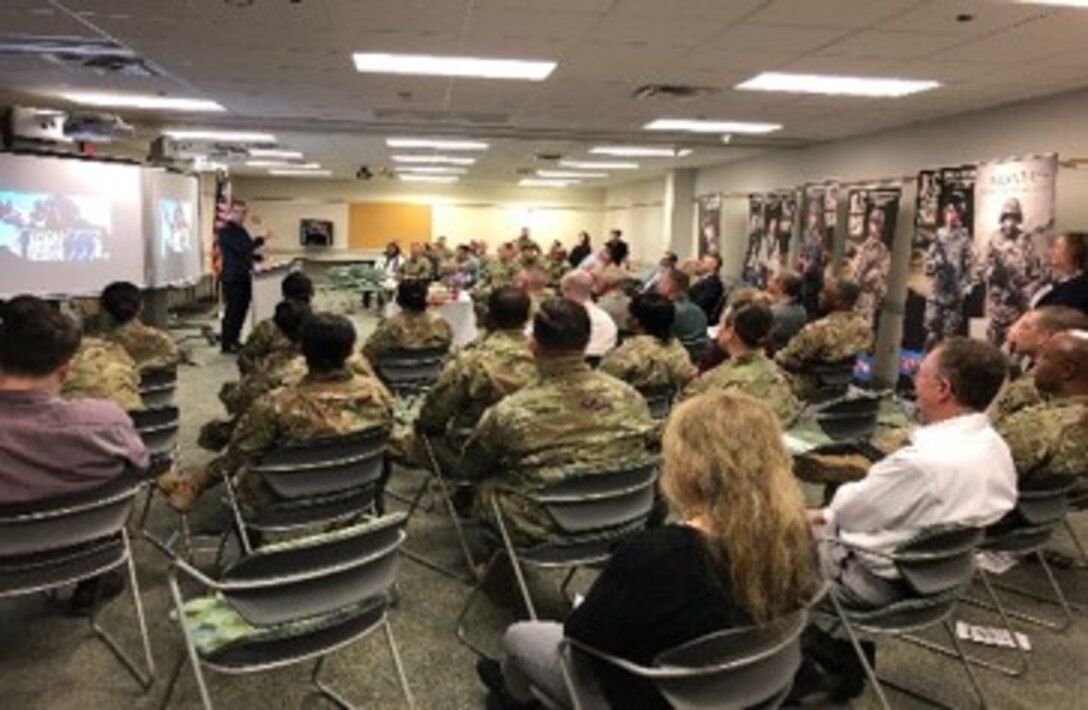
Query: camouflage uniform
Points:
[1050, 438]
[265, 340]
[1012, 272]
[499, 273]
[949, 262]
[570, 423]
[102, 369]
[871, 269]
[477, 377]
[1017, 395]
[149, 347]
[316, 407]
[556, 268]
[417, 268]
[756, 375]
[408, 331]
[643, 361]
[834, 337]
[524, 243]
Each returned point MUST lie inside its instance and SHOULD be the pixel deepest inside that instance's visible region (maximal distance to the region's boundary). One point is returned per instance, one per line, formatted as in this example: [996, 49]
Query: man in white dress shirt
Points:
[577, 286]
[956, 470]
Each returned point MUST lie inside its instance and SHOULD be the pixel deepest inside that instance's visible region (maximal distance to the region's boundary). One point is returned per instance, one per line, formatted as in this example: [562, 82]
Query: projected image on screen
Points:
[55, 227]
[175, 227]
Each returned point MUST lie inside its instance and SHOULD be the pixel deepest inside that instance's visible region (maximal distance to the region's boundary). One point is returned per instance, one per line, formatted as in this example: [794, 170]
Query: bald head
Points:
[577, 286]
[1063, 364]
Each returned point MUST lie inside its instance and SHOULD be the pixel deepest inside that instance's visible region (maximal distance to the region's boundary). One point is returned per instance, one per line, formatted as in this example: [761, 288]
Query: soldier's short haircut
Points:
[974, 369]
[35, 339]
[1055, 319]
[297, 286]
[680, 281]
[655, 315]
[289, 317]
[752, 323]
[412, 295]
[848, 291]
[717, 260]
[508, 308]
[327, 340]
[1077, 243]
[561, 325]
[121, 300]
[791, 283]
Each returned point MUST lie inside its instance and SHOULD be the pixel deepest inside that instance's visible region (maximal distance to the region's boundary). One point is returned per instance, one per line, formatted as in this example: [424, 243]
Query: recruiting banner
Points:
[817, 240]
[710, 224]
[1014, 231]
[870, 236]
[942, 258]
[770, 227]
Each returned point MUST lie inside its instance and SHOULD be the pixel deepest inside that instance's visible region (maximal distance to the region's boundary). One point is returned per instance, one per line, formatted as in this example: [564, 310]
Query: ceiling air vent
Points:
[98, 56]
[679, 92]
[475, 118]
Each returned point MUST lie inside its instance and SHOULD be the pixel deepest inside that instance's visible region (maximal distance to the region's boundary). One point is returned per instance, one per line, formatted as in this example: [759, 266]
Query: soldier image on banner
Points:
[857, 208]
[783, 206]
[871, 263]
[754, 260]
[1014, 230]
[710, 224]
[817, 238]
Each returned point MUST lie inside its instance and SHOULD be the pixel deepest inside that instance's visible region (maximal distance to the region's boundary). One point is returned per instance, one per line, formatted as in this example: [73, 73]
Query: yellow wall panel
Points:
[372, 225]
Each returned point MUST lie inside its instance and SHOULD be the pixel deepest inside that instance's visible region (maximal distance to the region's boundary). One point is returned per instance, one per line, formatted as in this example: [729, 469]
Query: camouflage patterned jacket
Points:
[644, 361]
[103, 370]
[497, 273]
[1049, 438]
[834, 337]
[756, 375]
[149, 347]
[408, 331]
[280, 369]
[265, 340]
[316, 407]
[1017, 395]
[570, 423]
[417, 269]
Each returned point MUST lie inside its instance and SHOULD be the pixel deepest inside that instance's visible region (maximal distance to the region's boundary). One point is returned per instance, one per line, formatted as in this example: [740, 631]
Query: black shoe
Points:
[232, 349]
[489, 671]
[90, 594]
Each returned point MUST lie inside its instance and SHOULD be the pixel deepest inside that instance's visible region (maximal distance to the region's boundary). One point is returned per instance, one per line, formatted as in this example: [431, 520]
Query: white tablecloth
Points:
[460, 314]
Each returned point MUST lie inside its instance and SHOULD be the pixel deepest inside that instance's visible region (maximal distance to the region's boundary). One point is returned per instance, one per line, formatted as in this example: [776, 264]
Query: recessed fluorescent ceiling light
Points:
[1061, 3]
[428, 178]
[434, 159]
[635, 151]
[282, 164]
[300, 173]
[274, 153]
[598, 165]
[436, 143]
[835, 85]
[431, 169]
[162, 103]
[430, 65]
[564, 174]
[534, 182]
[184, 134]
[701, 126]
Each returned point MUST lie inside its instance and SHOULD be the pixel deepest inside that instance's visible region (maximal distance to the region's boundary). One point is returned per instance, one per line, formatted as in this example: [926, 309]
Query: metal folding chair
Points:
[832, 379]
[849, 419]
[410, 373]
[747, 667]
[157, 387]
[320, 594]
[936, 568]
[696, 348]
[1077, 504]
[591, 513]
[57, 543]
[659, 399]
[158, 428]
[321, 483]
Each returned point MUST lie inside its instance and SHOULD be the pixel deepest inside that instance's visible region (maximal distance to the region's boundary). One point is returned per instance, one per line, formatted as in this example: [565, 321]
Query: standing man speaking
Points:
[237, 251]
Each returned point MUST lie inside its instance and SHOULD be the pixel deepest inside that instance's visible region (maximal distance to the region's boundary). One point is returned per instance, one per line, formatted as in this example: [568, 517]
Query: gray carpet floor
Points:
[49, 661]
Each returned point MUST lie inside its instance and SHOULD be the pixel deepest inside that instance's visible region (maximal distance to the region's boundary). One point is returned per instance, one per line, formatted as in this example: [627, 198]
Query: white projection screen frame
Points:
[69, 226]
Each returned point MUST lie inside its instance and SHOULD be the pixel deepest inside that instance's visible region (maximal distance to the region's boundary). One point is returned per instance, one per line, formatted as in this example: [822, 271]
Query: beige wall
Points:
[637, 208]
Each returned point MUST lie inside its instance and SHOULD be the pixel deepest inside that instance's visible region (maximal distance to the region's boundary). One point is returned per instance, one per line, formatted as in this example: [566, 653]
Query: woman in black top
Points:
[581, 250]
[741, 553]
[1069, 262]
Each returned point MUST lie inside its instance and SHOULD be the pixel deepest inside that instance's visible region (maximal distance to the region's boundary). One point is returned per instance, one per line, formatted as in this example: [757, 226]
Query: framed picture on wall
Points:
[315, 233]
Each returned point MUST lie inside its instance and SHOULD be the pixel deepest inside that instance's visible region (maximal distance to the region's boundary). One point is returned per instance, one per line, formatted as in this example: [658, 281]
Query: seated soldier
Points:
[101, 369]
[841, 334]
[1051, 438]
[957, 470]
[49, 447]
[266, 338]
[149, 348]
[414, 328]
[1027, 337]
[570, 423]
[418, 266]
[653, 357]
[330, 400]
[743, 334]
[477, 377]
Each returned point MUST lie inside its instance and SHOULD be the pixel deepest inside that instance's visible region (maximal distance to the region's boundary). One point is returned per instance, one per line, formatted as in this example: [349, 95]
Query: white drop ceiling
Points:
[285, 67]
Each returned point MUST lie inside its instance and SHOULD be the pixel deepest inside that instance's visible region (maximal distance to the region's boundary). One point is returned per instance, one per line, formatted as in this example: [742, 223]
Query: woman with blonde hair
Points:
[740, 553]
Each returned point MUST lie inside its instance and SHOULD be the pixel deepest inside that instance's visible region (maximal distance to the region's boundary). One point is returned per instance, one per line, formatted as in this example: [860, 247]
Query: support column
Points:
[156, 307]
[679, 212]
[890, 335]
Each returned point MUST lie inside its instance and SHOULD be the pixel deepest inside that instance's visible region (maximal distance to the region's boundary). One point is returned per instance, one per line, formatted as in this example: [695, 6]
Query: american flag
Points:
[222, 214]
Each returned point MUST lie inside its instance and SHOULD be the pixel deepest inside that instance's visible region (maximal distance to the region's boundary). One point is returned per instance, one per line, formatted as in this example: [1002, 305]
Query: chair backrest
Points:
[315, 575]
[157, 387]
[55, 525]
[326, 466]
[1043, 501]
[409, 371]
[939, 559]
[849, 419]
[158, 428]
[601, 501]
[736, 668]
[696, 348]
[659, 400]
[831, 379]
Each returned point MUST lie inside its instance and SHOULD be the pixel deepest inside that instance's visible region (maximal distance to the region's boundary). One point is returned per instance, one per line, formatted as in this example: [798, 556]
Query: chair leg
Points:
[966, 663]
[1077, 544]
[144, 678]
[326, 691]
[172, 682]
[1058, 599]
[190, 648]
[869, 672]
[462, 635]
[395, 653]
[514, 564]
[566, 582]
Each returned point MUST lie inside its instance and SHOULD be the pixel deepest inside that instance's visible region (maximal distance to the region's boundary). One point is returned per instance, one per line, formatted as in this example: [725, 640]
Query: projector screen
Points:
[174, 246]
[68, 226]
